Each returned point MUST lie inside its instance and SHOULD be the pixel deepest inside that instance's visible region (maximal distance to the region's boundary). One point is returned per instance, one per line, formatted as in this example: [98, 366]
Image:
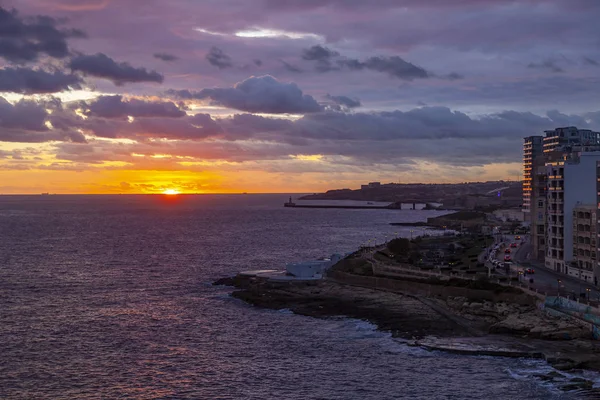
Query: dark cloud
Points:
[116, 107]
[26, 115]
[35, 81]
[25, 39]
[26, 121]
[322, 56]
[329, 60]
[291, 68]
[549, 65]
[166, 57]
[319, 53]
[379, 140]
[196, 127]
[257, 62]
[263, 94]
[590, 61]
[344, 101]
[218, 58]
[102, 66]
[393, 66]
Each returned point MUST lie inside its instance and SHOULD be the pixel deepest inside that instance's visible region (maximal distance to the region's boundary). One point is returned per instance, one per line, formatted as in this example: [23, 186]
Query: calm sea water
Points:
[110, 297]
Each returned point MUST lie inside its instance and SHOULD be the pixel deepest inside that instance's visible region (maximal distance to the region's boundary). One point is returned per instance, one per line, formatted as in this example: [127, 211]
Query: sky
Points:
[257, 96]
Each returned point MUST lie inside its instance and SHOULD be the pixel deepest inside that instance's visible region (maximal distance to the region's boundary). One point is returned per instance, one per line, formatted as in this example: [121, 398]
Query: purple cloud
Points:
[101, 66]
[25, 39]
[35, 81]
[116, 107]
[262, 94]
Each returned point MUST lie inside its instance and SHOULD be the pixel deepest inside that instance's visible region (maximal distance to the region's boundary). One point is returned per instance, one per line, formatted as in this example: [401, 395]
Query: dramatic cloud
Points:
[218, 58]
[481, 86]
[102, 66]
[166, 57]
[24, 39]
[30, 81]
[263, 94]
[115, 107]
[355, 140]
[344, 101]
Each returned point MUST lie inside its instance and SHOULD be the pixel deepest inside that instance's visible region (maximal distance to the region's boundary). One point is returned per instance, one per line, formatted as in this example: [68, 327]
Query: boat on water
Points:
[45, 194]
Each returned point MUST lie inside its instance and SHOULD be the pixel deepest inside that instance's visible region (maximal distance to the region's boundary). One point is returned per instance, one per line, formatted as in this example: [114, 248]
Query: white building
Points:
[571, 181]
[509, 214]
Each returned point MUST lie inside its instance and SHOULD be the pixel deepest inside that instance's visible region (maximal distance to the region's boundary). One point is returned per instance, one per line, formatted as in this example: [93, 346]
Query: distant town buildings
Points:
[560, 174]
[371, 185]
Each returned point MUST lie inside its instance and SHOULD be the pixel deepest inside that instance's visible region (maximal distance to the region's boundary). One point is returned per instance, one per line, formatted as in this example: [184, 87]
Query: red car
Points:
[507, 258]
[530, 271]
[513, 245]
[507, 251]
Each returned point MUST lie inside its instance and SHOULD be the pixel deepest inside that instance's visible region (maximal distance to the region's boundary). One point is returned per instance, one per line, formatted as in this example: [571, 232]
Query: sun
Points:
[171, 192]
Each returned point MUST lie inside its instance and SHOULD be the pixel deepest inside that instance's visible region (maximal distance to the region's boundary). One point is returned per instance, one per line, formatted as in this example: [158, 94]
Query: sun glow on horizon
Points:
[171, 192]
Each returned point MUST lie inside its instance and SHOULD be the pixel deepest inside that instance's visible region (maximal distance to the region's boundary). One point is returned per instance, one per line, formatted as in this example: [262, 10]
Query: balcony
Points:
[555, 189]
[555, 177]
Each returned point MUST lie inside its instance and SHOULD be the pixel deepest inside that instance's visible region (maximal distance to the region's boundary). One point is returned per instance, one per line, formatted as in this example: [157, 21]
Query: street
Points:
[545, 280]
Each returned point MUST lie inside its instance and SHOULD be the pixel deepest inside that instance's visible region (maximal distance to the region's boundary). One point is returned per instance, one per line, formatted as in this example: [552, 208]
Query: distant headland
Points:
[467, 195]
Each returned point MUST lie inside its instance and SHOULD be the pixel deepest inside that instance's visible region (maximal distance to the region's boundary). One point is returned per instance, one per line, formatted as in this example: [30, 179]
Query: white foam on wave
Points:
[531, 368]
[356, 329]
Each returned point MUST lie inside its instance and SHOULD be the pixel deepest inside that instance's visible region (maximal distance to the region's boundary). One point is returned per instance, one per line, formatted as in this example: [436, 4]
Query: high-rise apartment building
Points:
[556, 177]
[532, 150]
[571, 181]
[584, 243]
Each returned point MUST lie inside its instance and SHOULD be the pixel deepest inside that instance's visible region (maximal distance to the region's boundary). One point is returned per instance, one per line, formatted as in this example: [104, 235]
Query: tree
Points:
[399, 246]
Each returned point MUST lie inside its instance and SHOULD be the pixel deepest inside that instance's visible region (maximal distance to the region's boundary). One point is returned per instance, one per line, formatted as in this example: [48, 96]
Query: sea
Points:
[111, 297]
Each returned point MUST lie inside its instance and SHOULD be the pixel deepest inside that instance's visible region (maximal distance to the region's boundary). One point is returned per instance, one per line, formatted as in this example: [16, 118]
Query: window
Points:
[540, 204]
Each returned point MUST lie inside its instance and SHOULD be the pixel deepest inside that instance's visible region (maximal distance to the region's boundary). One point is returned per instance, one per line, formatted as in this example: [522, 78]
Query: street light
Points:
[558, 281]
[588, 290]
[411, 232]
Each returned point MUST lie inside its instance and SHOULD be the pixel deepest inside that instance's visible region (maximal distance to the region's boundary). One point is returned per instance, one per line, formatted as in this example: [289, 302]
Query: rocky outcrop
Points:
[405, 316]
[457, 324]
[534, 324]
[514, 319]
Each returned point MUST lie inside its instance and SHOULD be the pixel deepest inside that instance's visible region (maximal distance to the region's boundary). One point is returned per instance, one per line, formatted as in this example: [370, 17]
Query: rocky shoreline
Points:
[453, 324]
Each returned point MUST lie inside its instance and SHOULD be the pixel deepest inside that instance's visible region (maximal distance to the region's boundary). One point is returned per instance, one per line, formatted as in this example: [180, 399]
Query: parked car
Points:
[507, 257]
[507, 251]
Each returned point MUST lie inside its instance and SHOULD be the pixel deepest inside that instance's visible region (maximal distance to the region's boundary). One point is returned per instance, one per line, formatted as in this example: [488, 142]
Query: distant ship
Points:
[45, 194]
